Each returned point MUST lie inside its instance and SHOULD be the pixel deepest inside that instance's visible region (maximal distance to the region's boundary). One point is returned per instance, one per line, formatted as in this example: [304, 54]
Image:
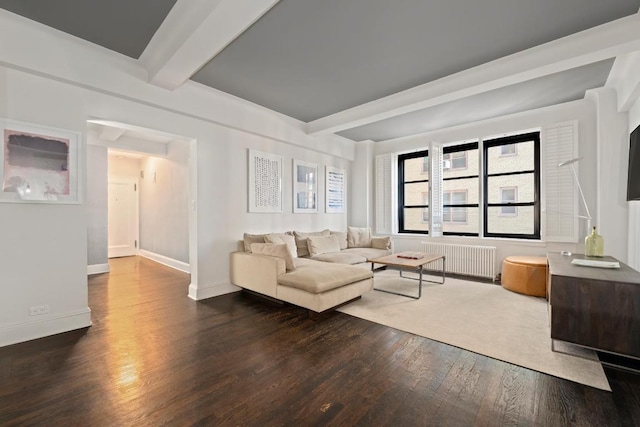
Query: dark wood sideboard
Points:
[594, 307]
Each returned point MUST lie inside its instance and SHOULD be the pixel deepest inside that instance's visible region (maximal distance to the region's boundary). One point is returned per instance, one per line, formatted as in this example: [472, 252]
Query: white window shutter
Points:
[435, 182]
[384, 194]
[560, 201]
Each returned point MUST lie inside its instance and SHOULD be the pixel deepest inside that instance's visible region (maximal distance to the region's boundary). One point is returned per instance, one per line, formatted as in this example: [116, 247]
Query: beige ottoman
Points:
[525, 274]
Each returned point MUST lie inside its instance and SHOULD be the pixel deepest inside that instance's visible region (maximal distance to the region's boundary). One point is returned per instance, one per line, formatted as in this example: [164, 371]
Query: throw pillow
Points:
[278, 251]
[249, 239]
[301, 241]
[381, 242]
[323, 244]
[282, 238]
[342, 238]
[359, 237]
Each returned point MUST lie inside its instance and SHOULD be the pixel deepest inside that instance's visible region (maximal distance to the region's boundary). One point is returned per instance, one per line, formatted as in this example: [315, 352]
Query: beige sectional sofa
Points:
[318, 270]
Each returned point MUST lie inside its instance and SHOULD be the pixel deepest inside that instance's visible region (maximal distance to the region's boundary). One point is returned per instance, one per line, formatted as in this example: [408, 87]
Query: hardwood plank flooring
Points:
[155, 357]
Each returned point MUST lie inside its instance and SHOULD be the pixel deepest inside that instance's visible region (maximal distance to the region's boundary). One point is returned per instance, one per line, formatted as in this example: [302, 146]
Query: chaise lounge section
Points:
[325, 276]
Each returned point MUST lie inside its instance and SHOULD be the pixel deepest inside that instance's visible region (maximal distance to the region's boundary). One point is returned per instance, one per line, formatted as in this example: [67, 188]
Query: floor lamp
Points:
[584, 202]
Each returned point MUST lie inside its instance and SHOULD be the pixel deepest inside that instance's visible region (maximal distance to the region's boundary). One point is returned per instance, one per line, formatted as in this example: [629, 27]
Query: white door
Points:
[123, 217]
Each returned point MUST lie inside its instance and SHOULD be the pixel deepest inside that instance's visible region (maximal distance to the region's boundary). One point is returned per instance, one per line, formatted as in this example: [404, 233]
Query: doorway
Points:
[123, 217]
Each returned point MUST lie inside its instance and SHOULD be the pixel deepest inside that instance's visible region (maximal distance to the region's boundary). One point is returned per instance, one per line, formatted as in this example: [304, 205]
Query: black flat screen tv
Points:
[633, 181]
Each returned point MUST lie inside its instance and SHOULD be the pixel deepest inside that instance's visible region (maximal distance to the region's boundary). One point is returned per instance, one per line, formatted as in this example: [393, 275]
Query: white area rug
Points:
[479, 317]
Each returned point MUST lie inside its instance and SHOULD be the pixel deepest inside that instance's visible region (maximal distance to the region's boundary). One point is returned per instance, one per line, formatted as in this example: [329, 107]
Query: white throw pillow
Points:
[323, 244]
[359, 237]
[278, 251]
[282, 238]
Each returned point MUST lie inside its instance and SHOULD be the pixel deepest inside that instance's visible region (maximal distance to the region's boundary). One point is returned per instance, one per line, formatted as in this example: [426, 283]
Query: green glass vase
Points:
[593, 244]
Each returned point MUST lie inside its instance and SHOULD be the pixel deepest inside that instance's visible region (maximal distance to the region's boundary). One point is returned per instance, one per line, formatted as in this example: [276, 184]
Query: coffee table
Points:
[399, 260]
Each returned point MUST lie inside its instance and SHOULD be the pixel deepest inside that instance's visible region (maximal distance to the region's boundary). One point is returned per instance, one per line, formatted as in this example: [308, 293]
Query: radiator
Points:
[467, 260]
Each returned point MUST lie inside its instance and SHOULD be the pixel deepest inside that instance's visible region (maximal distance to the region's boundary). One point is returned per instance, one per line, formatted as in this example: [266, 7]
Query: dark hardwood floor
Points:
[155, 357]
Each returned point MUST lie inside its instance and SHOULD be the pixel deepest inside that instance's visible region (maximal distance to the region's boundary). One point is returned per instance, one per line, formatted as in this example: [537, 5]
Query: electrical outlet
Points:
[37, 310]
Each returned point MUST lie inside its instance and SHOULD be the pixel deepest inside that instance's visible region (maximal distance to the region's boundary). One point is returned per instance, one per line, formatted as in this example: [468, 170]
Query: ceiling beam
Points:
[605, 41]
[193, 33]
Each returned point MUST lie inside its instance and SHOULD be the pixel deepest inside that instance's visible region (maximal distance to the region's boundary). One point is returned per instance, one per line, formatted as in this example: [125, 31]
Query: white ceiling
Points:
[366, 69]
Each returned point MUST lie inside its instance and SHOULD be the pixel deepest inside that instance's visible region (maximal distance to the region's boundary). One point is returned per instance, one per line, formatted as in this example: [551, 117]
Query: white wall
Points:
[164, 203]
[97, 255]
[123, 167]
[43, 247]
[583, 111]
[611, 171]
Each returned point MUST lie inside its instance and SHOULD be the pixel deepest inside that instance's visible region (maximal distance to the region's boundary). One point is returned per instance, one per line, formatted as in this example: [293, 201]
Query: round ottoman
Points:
[525, 274]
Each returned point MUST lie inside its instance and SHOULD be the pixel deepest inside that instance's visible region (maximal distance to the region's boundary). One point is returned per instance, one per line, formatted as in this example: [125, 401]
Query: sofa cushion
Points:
[278, 251]
[381, 242]
[321, 278]
[249, 239]
[342, 257]
[322, 245]
[359, 237]
[282, 238]
[342, 238]
[367, 253]
[301, 240]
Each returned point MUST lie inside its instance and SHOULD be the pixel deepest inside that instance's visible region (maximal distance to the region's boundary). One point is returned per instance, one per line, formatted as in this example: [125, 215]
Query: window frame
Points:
[503, 154]
[451, 158]
[401, 196]
[452, 206]
[514, 139]
[455, 149]
[515, 200]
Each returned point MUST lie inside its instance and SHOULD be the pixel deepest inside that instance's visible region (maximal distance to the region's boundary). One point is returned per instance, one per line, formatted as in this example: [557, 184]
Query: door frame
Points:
[136, 229]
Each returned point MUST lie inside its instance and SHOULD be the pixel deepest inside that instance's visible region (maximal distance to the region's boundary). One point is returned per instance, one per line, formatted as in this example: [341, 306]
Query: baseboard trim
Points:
[97, 269]
[164, 260]
[45, 326]
[200, 292]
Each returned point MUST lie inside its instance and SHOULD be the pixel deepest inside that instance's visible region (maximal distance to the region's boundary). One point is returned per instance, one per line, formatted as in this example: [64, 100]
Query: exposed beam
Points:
[194, 32]
[605, 41]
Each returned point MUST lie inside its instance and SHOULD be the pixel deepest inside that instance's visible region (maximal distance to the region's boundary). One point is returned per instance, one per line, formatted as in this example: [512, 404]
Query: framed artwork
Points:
[305, 187]
[265, 182]
[38, 164]
[335, 189]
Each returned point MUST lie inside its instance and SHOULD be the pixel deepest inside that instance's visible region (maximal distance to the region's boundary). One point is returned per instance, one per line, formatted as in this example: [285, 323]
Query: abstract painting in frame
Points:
[335, 189]
[265, 182]
[38, 164]
[305, 187]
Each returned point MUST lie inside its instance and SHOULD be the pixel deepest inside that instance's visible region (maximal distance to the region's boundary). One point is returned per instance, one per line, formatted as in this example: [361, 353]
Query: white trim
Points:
[44, 326]
[165, 260]
[200, 292]
[97, 269]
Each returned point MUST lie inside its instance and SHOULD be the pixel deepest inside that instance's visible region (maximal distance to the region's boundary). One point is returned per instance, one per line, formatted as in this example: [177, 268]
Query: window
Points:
[454, 214]
[512, 187]
[506, 172]
[413, 192]
[508, 150]
[508, 195]
[461, 189]
[456, 160]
